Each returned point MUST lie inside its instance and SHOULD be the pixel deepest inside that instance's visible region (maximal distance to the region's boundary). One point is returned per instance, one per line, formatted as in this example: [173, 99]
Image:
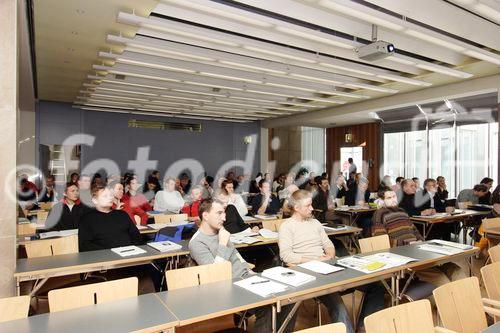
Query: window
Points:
[394, 154]
[463, 154]
[313, 146]
[442, 156]
[416, 155]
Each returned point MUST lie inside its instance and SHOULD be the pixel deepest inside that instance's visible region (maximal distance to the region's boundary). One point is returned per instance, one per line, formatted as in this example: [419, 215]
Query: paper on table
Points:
[243, 240]
[248, 218]
[266, 217]
[260, 286]
[433, 216]
[266, 233]
[245, 233]
[165, 246]
[62, 233]
[141, 227]
[288, 276]
[441, 249]
[452, 244]
[391, 259]
[127, 251]
[320, 267]
[330, 229]
[375, 262]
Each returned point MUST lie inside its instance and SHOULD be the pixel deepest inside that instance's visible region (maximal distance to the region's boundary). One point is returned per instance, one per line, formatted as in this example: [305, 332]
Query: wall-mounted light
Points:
[247, 139]
[348, 138]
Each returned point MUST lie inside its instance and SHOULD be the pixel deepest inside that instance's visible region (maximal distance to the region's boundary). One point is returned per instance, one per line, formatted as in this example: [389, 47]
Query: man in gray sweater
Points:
[210, 244]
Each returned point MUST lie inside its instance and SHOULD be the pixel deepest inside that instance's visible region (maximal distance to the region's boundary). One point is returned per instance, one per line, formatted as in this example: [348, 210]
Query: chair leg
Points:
[318, 302]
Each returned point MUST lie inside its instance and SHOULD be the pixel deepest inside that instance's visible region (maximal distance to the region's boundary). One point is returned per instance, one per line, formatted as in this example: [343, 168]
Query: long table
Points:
[145, 313]
[354, 213]
[186, 306]
[427, 223]
[42, 268]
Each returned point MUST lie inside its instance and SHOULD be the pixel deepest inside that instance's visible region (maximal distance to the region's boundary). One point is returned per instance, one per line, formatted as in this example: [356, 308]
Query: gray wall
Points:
[218, 143]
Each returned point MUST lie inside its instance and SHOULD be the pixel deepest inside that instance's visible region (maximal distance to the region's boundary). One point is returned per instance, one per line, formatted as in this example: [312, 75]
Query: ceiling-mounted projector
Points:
[375, 51]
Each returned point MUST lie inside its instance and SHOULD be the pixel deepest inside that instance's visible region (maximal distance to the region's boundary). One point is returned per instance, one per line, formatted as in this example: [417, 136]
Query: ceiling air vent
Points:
[136, 123]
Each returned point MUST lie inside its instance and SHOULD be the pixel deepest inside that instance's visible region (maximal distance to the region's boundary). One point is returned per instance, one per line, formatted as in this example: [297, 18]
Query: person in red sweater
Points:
[135, 203]
[191, 208]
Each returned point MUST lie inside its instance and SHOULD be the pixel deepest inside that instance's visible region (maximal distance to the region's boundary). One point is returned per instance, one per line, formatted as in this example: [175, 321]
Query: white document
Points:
[266, 217]
[261, 286]
[158, 226]
[330, 229]
[452, 244]
[127, 251]
[320, 267]
[433, 216]
[266, 233]
[248, 218]
[243, 240]
[165, 246]
[141, 227]
[375, 262]
[245, 233]
[439, 249]
[391, 259]
[62, 233]
[288, 276]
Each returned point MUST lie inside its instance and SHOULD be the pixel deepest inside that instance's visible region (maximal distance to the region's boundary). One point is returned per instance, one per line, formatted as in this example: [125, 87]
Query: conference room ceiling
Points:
[255, 59]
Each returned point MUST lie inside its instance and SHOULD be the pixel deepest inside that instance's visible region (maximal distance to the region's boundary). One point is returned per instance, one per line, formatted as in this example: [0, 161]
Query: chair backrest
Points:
[491, 279]
[52, 247]
[26, 229]
[46, 205]
[460, 307]
[375, 243]
[41, 216]
[12, 308]
[198, 275]
[178, 217]
[162, 218]
[413, 317]
[494, 253]
[96, 293]
[273, 225]
[330, 328]
[491, 223]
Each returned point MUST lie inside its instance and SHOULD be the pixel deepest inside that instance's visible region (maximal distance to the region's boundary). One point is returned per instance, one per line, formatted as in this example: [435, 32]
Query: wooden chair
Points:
[330, 328]
[414, 317]
[491, 280]
[461, 308]
[494, 253]
[376, 243]
[13, 308]
[96, 293]
[26, 229]
[198, 275]
[46, 205]
[161, 218]
[41, 216]
[273, 225]
[52, 247]
[178, 217]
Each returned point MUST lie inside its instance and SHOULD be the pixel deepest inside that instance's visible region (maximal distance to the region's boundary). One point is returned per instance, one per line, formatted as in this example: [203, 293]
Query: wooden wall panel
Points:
[367, 135]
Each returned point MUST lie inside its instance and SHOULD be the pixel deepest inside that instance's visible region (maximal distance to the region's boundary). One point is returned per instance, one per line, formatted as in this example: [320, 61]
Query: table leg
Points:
[37, 286]
[289, 317]
[274, 317]
[18, 287]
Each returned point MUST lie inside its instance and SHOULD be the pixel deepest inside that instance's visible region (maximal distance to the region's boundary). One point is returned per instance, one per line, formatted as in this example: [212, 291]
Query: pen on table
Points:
[264, 281]
[127, 250]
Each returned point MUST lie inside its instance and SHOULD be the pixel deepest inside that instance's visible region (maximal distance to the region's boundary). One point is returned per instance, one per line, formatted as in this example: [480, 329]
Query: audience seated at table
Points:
[211, 244]
[323, 201]
[192, 206]
[84, 185]
[413, 205]
[265, 203]
[472, 195]
[67, 213]
[150, 189]
[357, 193]
[104, 227]
[135, 203]
[48, 192]
[228, 197]
[486, 199]
[395, 222]
[169, 200]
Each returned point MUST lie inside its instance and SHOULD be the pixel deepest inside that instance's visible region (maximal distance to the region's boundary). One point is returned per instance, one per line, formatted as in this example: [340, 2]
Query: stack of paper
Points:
[320, 267]
[330, 229]
[444, 247]
[244, 237]
[141, 227]
[127, 251]
[433, 216]
[266, 233]
[374, 263]
[165, 246]
[266, 217]
[288, 276]
[260, 286]
[62, 233]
